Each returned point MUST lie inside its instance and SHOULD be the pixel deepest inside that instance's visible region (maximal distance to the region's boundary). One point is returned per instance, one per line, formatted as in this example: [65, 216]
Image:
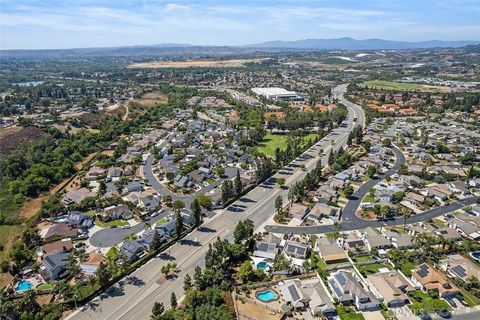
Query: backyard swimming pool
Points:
[267, 295]
[475, 255]
[60, 219]
[262, 265]
[23, 285]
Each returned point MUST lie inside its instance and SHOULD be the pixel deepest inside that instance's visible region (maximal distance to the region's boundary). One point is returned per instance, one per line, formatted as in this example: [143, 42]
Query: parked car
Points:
[126, 227]
[444, 314]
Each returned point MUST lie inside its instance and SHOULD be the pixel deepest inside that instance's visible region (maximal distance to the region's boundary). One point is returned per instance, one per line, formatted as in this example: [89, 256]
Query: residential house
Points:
[131, 250]
[79, 219]
[330, 251]
[354, 243]
[414, 199]
[95, 173]
[297, 248]
[168, 227]
[267, 247]
[54, 266]
[460, 267]
[77, 196]
[298, 210]
[59, 231]
[59, 246]
[393, 287]
[430, 278]
[90, 266]
[459, 187]
[348, 290]
[466, 228]
[120, 211]
[132, 186]
[375, 240]
[399, 240]
[149, 202]
[147, 237]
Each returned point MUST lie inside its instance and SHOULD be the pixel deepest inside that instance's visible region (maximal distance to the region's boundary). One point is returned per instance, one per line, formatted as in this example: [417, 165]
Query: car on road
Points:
[113, 227]
[446, 314]
[126, 227]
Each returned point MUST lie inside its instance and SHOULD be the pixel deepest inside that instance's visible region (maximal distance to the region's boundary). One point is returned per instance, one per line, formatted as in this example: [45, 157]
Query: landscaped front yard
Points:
[373, 268]
[108, 224]
[346, 313]
[422, 301]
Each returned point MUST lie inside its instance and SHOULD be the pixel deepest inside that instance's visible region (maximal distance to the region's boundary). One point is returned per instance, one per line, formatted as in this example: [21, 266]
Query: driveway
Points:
[109, 237]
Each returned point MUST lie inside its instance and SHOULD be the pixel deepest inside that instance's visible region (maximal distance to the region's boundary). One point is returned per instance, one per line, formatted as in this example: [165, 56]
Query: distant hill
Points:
[367, 44]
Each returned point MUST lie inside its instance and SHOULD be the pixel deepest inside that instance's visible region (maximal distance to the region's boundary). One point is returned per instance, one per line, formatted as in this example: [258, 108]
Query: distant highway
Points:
[133, 299]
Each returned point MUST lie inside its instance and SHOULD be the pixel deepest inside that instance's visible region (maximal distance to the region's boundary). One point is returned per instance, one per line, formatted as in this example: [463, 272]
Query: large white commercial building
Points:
[275, 93]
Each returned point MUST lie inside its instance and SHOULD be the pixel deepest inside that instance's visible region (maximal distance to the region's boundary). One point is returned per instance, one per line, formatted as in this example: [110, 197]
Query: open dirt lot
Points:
[234, 63]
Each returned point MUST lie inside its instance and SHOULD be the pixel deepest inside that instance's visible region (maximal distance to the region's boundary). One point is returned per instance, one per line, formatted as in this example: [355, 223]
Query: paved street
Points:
[133, 299]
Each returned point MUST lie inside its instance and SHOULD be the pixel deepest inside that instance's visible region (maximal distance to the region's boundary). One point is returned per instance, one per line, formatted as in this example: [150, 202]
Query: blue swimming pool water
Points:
[267, 296]
[23, 285]
[475, 255]
[60, 219]
[262, 265]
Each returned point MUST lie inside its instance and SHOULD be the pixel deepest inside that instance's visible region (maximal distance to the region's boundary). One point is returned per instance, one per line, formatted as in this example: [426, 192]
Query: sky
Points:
[52, 24]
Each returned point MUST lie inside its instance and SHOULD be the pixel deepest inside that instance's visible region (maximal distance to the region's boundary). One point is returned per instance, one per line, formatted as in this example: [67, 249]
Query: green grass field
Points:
[118, 223]
[274, 141]
[390, 85]
[422, 301]
[346, 313]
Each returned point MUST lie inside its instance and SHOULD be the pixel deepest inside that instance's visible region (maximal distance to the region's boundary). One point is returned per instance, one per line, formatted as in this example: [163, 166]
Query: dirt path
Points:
[125, 116]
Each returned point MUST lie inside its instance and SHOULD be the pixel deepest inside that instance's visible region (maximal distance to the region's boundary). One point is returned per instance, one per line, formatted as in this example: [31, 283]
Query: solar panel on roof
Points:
[337, 290]
[341, 279]
[459, 271]
[423, 267]
[262, 247]
[293, 292]
[422, 273]
[291, 249]
[301, 251]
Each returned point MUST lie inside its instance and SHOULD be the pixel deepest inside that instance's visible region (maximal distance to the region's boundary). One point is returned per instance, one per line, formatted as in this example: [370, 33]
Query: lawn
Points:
[422, 301]
[364, 258]
[368, 198]
[470, 299]
[273, 141]
[163, 220]
[118, 223]
[45, 286]
[346, 313]
[407, 268]
[373, 268]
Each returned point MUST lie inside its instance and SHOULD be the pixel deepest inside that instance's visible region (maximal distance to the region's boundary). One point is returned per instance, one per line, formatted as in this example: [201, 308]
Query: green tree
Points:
[279, 204]
[197, 211]
[348, 191]
[103, 274]
[178, 225]
[178, 205]
[204, 201]
[238, 184]
[245, 271]
[281, 182]
[173, 301]
[156, 242]
[157, 310]
[187, 283]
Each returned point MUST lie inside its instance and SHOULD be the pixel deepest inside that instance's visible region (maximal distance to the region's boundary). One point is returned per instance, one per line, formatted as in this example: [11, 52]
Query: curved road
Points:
[132, 301]
[348, 213]
[362, 224]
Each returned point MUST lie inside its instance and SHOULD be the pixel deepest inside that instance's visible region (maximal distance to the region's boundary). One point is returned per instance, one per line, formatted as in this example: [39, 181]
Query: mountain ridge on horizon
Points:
[344, 43]
[347, 43]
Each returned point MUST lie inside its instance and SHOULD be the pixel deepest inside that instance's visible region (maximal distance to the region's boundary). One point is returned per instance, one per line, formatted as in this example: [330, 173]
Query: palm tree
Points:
[405, 214]
[61, 288]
